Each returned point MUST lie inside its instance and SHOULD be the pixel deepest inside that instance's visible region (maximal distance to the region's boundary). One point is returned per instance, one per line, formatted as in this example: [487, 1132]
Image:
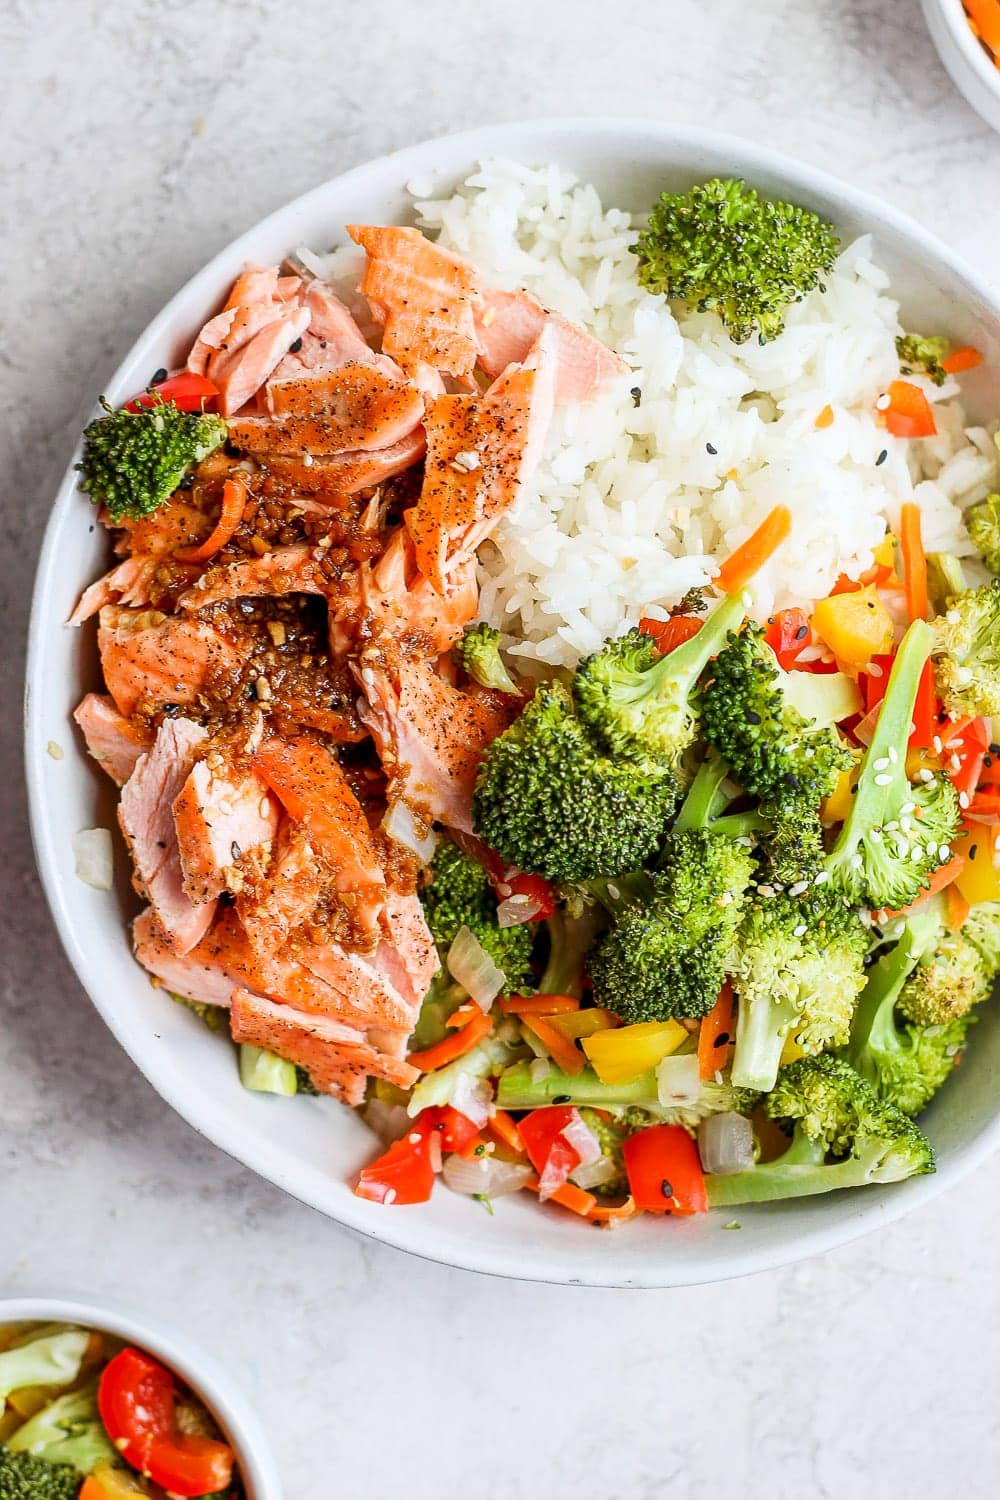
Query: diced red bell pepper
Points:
[188, 392]
[788, 635]
[136, 1398]
[519, 883]
[404, 1173]
[969, 744]
[456, 1130]
[926, 712]
[664, 1171]
[549, 1152]
[667, 635]
[874, 684]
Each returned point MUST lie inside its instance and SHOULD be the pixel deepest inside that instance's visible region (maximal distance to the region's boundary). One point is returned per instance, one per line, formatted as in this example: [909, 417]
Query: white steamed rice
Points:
[631, 507]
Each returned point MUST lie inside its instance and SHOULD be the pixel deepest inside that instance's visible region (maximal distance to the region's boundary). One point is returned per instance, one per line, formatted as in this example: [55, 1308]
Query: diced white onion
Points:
[516, 910]
[551, 1178]
[94, 858]
[539, 1069]
[485, 1175]
[473, 1098]
[389, 1121]
[725, 1144]
[596, 1173]
[677, 1081]
[582, 1139]
[402, 824]
[470, 964]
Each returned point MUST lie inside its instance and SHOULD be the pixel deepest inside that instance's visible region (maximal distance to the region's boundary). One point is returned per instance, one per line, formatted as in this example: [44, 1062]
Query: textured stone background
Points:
[137, 139]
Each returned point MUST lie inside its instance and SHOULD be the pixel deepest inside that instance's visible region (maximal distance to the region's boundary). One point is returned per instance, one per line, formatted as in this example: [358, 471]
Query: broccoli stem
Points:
[762, 1027]
[881, 787]
[570, 938]
[685, 664]
[518, 1088]
[801, 1171]
[874, 1019]
[705, 796]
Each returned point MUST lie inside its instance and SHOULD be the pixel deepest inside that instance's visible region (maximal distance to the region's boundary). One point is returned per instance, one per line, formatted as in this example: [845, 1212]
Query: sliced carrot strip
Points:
[942, 878]
[985, 17]
[455, 1045]
[560, 1048]
[234, 499]
[914, 561]
[909, 413]
[957, 908]
[614, 1213]
[568, 1196]
[965, 358]
[504, 1127]
[464, 1014]
[751, 556]
[538, 1005]
[714, 1034]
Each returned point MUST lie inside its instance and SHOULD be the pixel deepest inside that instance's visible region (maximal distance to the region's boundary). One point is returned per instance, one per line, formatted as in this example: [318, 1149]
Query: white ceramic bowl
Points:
[207, 1378]
[972, 71]
[312, 1147]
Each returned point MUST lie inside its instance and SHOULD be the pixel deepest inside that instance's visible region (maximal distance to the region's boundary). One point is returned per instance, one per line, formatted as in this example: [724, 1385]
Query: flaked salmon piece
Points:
[146, 655]
[272, 911]
[220, 815]
[146, 818]
[338, 1061]
[429, 737]
[284, 570]
[425, 297]
[172, 526]
[412, 960]
[366, 986]
[127, 584]
[196, 975]
[332, 480]
[332, 339]
[508, 325]
[341, 411]
[392, 598]
[315, 793]
[480, 452]
[241, 346]
[115, 742]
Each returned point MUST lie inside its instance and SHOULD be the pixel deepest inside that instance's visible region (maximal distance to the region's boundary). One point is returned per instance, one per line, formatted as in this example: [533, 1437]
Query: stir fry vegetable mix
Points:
[802, 935]
[83, 1418]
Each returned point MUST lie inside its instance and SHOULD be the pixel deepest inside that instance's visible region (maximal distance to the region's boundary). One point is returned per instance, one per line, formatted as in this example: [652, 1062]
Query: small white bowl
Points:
[312, 1147]
[968, 62]
[205, 1376]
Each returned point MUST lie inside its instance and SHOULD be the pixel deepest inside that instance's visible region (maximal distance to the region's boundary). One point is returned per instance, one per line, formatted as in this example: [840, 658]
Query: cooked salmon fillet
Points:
[285, 570]
[147, 656]
[240, 347]
[145, 814]
[114, 741]
[429, 735]
[126, 584]
[314, 791]
[425, 297]
[355, 407]
[271, 910]
[337, 1059]
[508, 325]
[332, 339]
[196, 975]
[408, 939]
[220, 815]
[332, 480]
[480, 451]
[391, 598]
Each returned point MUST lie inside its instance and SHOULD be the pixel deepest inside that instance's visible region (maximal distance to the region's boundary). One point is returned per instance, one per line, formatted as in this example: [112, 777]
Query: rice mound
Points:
[640, 494]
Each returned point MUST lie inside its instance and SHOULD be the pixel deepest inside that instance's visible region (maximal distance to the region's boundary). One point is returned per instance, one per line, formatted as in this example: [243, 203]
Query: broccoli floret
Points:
[967, 654]
[798, 972]
[304, 1083]
[749, 714]
[946, 983]
[982, 929]
[831, 1112]
[672, 929]
[51, 1359]
[945, 578]
[215, 1017]
[723, 248]
[922, 356]
[983, 525]
[67, 1431]
[639, 703]
[24, 1477]
[478, 652]
[896, 833]
[550, 801]
[460, 895]
[906, 1065]
[134, 460]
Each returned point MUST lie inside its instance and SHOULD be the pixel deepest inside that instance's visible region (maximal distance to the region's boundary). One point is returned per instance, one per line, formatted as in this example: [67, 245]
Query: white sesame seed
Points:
[936, 742]
[744, 841]
[884, 402]
[932, 846]
[944, 853]
[767, 891]
[822, 877]
[414, 1137]
[614, 892]
[468, 460]
[875, 834]
[892, 827]
[963, 799]
[925, 776]
[307, 460]
[907, 808]
[953, 617]
[893, 754]
[799, 888]
[882, 763]
[800, 930]
[955, 763]
[874, 670]
[916, 854]
[883, 780]
[390, 1196]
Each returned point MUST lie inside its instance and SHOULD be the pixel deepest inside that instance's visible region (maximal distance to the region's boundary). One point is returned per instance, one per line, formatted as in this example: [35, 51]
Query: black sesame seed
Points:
[790, 780]
[158, 376]
[987, 760]
[667, 1188]
[995, 749]
[294, 348]
[710, 448]
[722, 1040]
[802, 632]
[882, 458]
[973, 851]
[561, 1098]
[752, 716]
[236, 852]
[636, 394]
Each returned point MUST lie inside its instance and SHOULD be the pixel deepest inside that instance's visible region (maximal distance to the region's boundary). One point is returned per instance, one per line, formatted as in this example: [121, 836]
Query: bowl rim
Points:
[399, 1231]
[955, 19]
[205, 1374]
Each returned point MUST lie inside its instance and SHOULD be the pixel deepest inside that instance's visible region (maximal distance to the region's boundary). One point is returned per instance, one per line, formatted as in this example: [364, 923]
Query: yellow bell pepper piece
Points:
[110, 1483]
[791, 1051]
[980, 879]
[855, 626]
[580, 1023]
[627, 1052]
[834, 809]
[885, 552]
